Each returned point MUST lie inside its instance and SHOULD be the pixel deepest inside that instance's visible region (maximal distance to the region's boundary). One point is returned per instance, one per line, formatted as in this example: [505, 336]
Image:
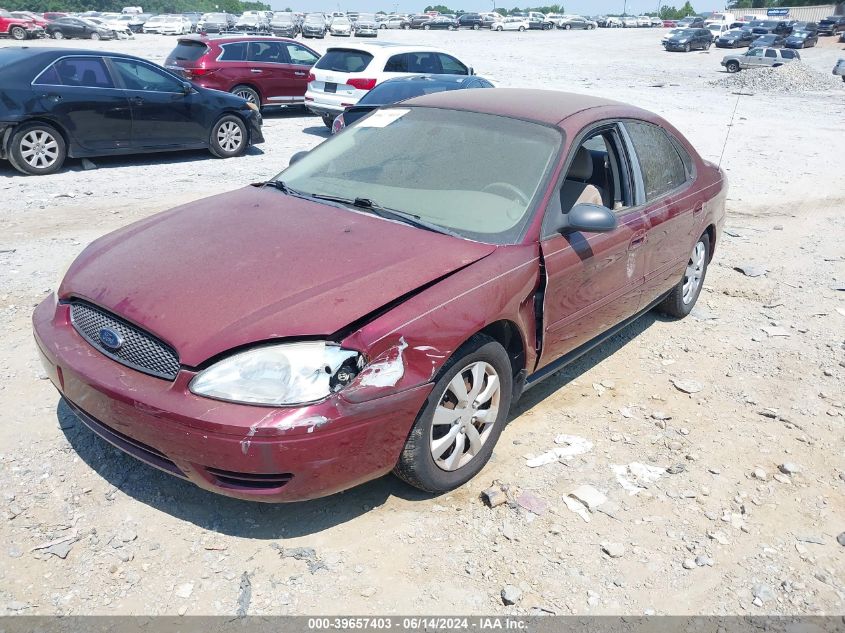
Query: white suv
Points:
[346, 73]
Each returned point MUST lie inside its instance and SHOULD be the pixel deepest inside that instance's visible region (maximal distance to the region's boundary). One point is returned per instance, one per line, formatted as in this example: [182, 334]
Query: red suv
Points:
[265, 71]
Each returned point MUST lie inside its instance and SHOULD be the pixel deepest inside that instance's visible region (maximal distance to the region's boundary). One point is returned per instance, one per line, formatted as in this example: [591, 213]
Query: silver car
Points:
[839, 69]
[365, 26]
[760, 58]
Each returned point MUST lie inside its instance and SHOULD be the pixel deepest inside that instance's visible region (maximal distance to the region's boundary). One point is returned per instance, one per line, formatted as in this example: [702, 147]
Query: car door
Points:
[663, 182]
[753, 58]
[269, 70]
[300, 60]
[80, 94]
[451, 66]
[72, 27]
[233, 67]
[770, 57]
[593, 281]
[163, 114]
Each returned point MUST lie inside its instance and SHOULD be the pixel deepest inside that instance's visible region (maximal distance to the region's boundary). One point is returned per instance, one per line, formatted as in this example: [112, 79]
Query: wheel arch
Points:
[247, 84]
[69, 144]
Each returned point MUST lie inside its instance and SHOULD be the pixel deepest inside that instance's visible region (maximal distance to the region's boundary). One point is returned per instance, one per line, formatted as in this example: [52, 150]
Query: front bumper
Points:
[254, 122]
[248, 452]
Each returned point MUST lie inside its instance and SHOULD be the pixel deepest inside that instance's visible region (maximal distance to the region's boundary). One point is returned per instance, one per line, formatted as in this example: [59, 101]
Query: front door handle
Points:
[254, 70]
[137, 101]
[299, 74]
[637, 240]
[698, 209]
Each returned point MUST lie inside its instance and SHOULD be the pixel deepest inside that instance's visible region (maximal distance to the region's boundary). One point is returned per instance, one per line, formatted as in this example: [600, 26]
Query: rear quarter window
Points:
[234, 52]
[189, 51]
[344, 61]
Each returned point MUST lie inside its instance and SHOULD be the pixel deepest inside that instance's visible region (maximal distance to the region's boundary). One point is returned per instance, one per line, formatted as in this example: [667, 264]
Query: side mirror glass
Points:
[589, 218]
[297, 157]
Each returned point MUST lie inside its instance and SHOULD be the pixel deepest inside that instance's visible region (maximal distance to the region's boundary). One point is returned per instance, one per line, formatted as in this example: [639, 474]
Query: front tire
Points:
[687, 48]
[732, 66]
[37, 149]
[462, 419]
[229, 137]
[681, 300]
[426, 27]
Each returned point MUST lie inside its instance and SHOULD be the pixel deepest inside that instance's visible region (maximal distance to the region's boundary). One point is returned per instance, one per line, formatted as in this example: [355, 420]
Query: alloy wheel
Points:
[229, 136]
[694, 272]
[246, 94]
[39, 149]
[465, 416]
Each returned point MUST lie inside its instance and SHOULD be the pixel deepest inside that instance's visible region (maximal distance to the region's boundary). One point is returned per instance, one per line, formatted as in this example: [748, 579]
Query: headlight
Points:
[275, 375]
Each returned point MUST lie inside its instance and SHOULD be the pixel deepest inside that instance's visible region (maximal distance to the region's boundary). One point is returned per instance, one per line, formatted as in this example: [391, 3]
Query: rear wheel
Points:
[475, 27]
[58, 35]
[681, 300]
[521, 28]
[454, 434]
[687, 48]
[228, 137]
[567, 27]
[37, 149]
[426, 27]
[17, 33]
[250, 94]
[95, 36]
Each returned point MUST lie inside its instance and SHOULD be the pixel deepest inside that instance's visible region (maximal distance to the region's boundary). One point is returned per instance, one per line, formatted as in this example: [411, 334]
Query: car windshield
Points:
[685, 32]
[316, 19]
[469, 173]
[366, 17]
[282, 17]
[340, 21]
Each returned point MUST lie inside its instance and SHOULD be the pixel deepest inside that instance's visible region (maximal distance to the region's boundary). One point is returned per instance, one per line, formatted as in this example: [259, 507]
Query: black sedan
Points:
[402, 89]
[60, 102]
[738, 38]
[689, 39]
[71, 27]
[802, 39]
[440, 22]
[771, 40]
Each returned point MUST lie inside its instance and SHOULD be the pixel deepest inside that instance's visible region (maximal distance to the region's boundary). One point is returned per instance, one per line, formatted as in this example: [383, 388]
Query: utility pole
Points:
[625, 8]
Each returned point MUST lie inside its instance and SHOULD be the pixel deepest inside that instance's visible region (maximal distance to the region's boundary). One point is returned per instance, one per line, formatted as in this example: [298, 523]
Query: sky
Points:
[587, 7]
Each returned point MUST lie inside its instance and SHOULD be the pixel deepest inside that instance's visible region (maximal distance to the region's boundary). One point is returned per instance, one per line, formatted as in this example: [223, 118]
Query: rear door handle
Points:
[254, 70]
[299, 74]
[698, 209]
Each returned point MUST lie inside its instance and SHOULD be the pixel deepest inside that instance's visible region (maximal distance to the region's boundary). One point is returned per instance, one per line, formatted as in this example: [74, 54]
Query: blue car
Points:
[403, 88]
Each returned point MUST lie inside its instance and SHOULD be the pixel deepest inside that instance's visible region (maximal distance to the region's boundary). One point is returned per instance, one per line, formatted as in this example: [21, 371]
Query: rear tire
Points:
[248, 93]
[95, 36]
[461, 458]
[37, 149]
[687, 48]
[426, 27]
[17, 33]
[58, 35]
[229, 137]
[681, 300]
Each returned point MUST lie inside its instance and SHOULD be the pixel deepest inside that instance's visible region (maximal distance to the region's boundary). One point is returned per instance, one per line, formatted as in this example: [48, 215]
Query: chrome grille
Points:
[139, 349]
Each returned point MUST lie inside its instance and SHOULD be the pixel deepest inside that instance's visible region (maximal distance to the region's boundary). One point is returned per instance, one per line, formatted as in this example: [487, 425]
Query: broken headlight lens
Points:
[275, 375]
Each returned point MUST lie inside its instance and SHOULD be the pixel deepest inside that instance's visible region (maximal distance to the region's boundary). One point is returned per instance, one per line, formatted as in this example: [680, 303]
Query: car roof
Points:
[375, 48]
[550, 107]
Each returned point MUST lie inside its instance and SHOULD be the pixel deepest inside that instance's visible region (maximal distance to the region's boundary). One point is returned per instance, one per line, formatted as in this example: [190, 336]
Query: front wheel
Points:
[687, 48]
[499, 28]
[37, 149]
[463, 416]
[567, 27]
[521, 29]
[475, 27]
[732, 66]
[228, 137]
[681, 300]
[426, 27]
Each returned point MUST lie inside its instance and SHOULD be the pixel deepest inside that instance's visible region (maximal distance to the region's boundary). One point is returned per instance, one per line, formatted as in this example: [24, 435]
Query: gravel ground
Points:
[727, 427]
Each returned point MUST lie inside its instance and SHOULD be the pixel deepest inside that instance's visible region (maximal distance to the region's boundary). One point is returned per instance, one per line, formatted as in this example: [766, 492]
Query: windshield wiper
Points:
[281, 186]
[387, 213]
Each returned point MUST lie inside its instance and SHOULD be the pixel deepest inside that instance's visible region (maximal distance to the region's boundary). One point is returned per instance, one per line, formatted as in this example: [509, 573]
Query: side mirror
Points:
[471, 70]
[187, 88]
[589, 218]
[297, 157]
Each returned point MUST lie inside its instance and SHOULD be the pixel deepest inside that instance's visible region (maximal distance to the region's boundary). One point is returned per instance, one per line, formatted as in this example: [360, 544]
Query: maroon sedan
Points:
[381, 304]
[266, 71]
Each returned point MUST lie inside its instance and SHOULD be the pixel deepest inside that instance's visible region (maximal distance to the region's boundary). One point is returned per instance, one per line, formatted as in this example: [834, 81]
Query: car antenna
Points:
[733, 116]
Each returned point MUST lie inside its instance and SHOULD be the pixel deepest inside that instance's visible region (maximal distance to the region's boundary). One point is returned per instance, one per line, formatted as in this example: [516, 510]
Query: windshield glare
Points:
[470, 173]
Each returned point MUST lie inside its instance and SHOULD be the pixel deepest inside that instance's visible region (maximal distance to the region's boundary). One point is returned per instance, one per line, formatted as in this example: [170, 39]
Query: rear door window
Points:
[234, 52]
[344, 61]
[771, 53]
[88, 72]
[189, 51]
[267, 53]
[423, 62]
[661, 165]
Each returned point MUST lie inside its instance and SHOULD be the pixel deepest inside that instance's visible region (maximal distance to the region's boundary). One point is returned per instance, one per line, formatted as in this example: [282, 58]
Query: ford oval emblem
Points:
[111, 339]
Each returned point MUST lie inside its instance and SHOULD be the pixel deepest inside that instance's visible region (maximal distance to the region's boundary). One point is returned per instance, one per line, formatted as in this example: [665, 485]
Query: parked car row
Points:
[755, 34]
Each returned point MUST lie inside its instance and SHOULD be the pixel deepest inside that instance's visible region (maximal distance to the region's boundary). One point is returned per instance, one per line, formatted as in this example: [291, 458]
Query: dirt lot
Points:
[723, 531]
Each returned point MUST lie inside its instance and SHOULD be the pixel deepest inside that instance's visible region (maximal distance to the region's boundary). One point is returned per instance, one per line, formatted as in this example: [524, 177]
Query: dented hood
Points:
[254, 265]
